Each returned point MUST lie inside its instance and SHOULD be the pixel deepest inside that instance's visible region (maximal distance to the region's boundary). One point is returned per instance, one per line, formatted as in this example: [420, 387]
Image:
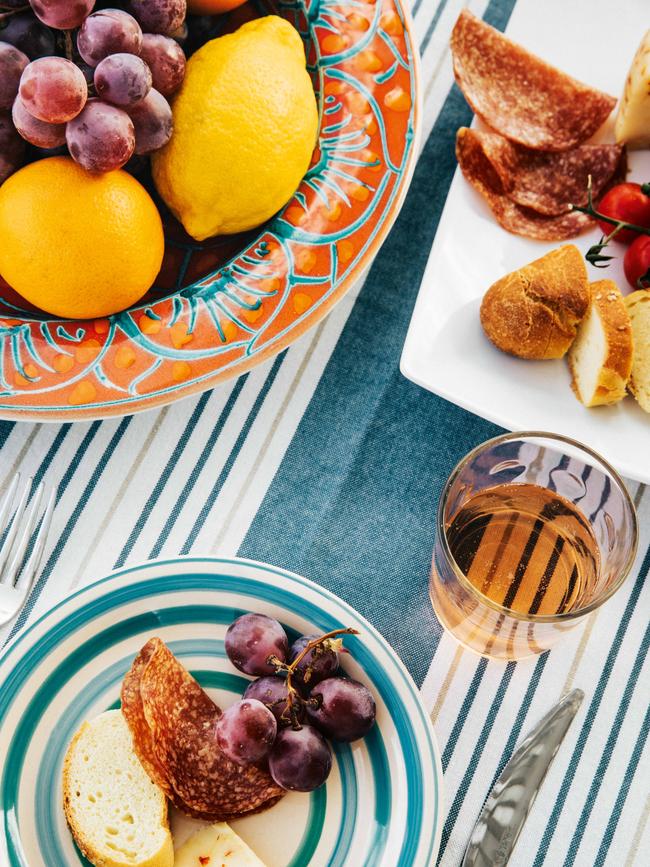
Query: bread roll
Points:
[535, 312]
[638, 306]
[601, 356]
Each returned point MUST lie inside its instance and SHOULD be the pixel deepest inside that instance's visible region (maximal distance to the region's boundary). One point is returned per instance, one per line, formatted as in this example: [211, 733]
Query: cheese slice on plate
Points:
[633, 120]
[216, 846]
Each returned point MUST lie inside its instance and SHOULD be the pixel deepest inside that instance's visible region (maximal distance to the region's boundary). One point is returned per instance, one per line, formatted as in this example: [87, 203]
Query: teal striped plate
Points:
[382, 802]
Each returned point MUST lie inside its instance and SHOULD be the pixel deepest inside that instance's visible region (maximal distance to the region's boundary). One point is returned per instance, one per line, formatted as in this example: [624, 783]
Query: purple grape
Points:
[122, 79]
[272, 692]
[12, 64]
[300, 760]
[29, 35]
[159, 16]
[109, 31]
[36, 132]
[252, 639]
[153, 122]
[166, 60]
[53, 89]
[346, 709]
[316, 664]
[246, 731]
[12, 147]
[101, 138]
[62, 14]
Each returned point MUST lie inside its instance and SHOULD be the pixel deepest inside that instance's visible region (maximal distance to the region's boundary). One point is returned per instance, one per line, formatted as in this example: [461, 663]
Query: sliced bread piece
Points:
[638, 306]
[216, 845]
[601, 355]
[117, 816]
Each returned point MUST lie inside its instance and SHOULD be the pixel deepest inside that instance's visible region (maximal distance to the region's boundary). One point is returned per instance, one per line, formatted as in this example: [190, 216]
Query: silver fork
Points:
[17, 576]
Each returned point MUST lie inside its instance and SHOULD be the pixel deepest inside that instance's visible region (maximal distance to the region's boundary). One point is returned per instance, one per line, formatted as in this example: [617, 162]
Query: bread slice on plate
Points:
[601, 355]
[638, 306]
[117, 816]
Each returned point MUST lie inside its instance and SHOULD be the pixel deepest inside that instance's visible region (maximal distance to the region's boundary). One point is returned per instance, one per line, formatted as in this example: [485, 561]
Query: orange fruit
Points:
[212, 7]
[75, 244]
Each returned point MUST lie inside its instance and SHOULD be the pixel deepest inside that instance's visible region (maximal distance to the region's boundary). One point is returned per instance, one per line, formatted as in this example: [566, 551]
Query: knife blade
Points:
[504, 813]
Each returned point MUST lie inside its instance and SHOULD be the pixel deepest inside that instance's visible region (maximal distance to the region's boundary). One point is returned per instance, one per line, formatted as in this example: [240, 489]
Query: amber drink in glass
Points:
[534, 531]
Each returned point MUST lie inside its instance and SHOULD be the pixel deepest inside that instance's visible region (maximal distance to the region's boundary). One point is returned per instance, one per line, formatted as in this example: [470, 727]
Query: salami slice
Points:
[182, 718]
[134, 714]
[546, 183]
[518, 94]
[524, 188]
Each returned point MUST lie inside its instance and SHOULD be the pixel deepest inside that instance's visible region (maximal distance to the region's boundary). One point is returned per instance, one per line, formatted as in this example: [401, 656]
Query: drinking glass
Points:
[562, 466]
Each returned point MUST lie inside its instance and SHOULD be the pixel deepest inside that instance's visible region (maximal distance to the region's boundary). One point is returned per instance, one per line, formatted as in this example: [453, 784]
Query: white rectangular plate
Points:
[446, 350]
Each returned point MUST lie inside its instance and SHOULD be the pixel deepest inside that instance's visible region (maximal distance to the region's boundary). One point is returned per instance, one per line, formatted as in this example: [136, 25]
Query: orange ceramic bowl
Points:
[223, 306]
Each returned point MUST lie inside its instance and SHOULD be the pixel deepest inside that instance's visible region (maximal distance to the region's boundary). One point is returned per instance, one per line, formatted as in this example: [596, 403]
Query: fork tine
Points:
[13, 568]
[8, 500]
[13, 529]
[26, 580]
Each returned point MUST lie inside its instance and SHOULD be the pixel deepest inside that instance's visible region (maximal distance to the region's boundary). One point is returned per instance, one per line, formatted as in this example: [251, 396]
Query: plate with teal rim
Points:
[382, 804]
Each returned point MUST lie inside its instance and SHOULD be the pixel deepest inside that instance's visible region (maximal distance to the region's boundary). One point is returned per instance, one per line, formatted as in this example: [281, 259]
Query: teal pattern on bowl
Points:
[221, 307]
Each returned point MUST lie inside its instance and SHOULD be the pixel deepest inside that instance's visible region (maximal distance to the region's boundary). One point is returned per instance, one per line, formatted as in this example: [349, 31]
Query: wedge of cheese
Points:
[633, 119]
[216, 846]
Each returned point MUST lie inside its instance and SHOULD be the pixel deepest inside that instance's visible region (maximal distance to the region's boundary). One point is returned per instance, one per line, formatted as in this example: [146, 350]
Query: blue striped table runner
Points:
[326, 461]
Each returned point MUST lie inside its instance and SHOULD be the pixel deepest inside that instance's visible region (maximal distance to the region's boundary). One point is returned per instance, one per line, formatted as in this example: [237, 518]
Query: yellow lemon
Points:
[245, 125]
[78, 245]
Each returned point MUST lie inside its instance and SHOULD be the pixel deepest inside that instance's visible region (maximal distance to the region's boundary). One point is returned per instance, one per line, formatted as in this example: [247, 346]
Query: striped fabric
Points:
[326, 461]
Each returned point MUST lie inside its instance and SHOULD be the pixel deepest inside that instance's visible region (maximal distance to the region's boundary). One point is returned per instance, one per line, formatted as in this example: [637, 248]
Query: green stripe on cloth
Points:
[232, 457]
[628, 776]
[601, 686]
[74, 517]
[169, 467]
[508, 750]
[461, 792]
[608, 749]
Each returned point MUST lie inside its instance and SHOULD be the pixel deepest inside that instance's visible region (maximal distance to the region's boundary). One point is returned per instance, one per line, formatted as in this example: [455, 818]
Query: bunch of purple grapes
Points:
[107, 98]
[299, 699]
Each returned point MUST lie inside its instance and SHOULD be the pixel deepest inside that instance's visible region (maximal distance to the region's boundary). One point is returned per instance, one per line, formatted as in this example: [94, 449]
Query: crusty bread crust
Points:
[67, 801]
[535, 312]
[638, 307]
[614, 373]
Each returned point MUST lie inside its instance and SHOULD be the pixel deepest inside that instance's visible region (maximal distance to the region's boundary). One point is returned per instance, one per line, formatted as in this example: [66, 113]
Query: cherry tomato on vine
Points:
[637, 263]
[628, 202]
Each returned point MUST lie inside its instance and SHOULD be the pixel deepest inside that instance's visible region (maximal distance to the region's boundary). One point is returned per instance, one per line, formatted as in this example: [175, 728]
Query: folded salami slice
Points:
[518, 94]
[133, 711]
[530, 192]
[181, 718]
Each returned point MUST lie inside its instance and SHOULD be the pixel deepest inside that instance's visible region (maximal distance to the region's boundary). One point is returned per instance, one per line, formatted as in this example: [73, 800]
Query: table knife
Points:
[512, 797]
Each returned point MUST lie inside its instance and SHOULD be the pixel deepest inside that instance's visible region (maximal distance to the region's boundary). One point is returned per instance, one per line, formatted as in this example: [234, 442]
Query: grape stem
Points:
[8, 11]
[294, 700]
[67, 36]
